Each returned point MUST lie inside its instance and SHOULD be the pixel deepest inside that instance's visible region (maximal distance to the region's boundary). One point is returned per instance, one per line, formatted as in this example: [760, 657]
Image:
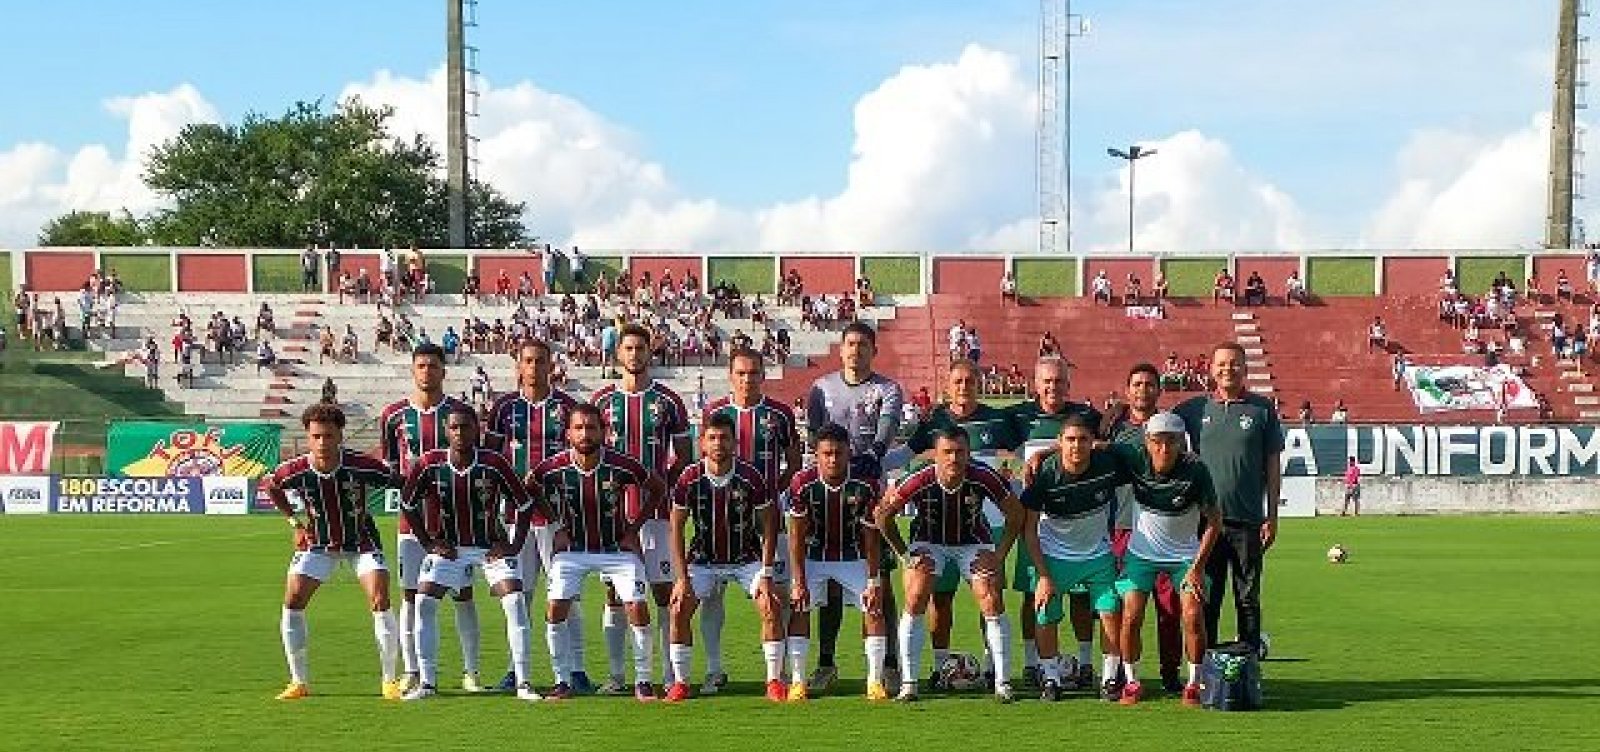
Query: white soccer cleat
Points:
[422, 692]
[470, 683]
[527, 693]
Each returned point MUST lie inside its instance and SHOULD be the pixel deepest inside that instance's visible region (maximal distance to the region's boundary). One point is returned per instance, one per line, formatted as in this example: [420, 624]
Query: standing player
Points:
[765, 435]
[467, 489]
[735, 537]
[529, 426]
[991, 431]
[1070, 502]
[409, 428]
[331, 483]
[1174, 492]
[1038, 421]
[587, 487]
[647, 421]
[949, 526]
[868, 406]
[833, 541]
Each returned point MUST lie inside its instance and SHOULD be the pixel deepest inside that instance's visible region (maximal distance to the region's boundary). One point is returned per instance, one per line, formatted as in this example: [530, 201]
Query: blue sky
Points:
[1288, 122]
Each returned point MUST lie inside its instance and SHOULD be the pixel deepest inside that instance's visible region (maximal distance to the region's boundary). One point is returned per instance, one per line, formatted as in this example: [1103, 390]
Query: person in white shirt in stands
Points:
[1340, 413]
[958, 340]
[1377, 335]
[1101, 287]
[265, 358]
[1447, 283]
[1008, 287]
[1294, 289]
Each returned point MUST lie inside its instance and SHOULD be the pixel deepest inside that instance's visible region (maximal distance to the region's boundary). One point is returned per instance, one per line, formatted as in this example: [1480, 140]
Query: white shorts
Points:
[319, 565]
[410, 553]
[535, 554]
[457, 573]
[655, 543]
[622, 570]
[704, 579]
[943, 556]
[851, 576]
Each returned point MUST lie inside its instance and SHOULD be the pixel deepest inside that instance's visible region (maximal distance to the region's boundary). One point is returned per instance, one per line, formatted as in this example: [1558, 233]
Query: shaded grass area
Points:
[449, 273]
[752, 274]
[1191, 277]
[1340, 276]
[1046, 278]
[893, 275]
[1474, 274]
[140, 272]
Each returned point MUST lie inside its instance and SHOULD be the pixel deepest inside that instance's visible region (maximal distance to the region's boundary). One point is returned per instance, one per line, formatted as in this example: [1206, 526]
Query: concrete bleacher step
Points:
[1581, 387]
[1257, 364]
[1262, 388]
[1259, 377]
[1250, 328]
[1589, 414]
[1586, 400]
[1243, 316]
[1249, 339]
[1255, 352]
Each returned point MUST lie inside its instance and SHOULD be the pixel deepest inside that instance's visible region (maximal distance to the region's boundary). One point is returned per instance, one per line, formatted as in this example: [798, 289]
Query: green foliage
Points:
[1329, 276]
[140, 272]
[90, 228]
[1046, 278]
[1475, 273]
[1191, 277]
[752, 274]
[893, 275]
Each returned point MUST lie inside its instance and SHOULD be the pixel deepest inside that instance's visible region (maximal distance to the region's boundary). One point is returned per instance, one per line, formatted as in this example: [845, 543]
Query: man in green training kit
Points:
[991, 431]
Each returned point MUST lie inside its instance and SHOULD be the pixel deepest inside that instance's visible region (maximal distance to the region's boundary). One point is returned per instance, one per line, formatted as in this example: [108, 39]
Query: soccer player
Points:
[587, 487]
[833, 541]
[1039, 422]
[331, 484]
[765, 435]
[735, 540]
[529, 426]
[407, 429]
[867, 405]
[1069, 503]
[991, 431]
[949, 526]
[1174, 492]
[467, 488]
[649, 422]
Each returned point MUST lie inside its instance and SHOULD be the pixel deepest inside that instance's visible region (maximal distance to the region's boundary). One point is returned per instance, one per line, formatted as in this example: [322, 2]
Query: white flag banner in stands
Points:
[1442, 388]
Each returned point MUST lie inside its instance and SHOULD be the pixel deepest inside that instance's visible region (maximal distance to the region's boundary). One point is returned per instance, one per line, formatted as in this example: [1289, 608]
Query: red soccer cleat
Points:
[677, 692]
[1191, 695]
[776, 692]
[1131, 693]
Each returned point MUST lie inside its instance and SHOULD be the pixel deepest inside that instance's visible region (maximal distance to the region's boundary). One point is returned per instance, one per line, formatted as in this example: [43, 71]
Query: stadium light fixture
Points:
[1131, 156]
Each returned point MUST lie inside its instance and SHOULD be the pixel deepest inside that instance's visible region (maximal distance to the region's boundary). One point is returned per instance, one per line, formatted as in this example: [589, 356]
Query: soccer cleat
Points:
[507, 683]
[1003, 693]
[295, 691]
[1084, 678]
[391, 690]
[936, 682]
[798, 692]
[1170, 681]
[908, 693]
[422, 692]
[876, 692]
[1051, 691]
[823, 678]
[677, 692]
[714, 683]
[776, 692]
[1030, 676]
[891, 675]
[470, 683]
[526, 692]
[581, 683]
[561, 691]
[615, 685]
[644, 692]
[1111, 690]
[409, 681]
[1191, 695]
[1131, 693]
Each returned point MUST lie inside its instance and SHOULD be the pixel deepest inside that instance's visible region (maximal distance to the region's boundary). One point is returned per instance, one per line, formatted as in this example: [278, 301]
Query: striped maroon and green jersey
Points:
[643, 424]
[836, 514]
[528, 432]
[726, 512]
[406, 432]
[952, 517]
[763, 434]
[465, 503]
[336, 502]
[593, 505]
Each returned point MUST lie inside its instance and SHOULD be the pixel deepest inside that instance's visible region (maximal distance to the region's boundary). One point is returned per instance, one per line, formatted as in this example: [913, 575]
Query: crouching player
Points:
[332, 483]
[465, 488]
[735, 537]
[832, 539]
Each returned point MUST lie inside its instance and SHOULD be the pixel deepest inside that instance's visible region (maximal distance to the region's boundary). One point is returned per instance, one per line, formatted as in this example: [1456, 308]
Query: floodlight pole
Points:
[1132, 156]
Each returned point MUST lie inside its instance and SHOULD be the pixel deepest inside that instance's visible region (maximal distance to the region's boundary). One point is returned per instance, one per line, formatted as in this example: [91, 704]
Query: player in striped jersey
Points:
[587, 486]
[529, 426]
[735, 537]
[766, 435]
[649, 422]
[949, 526]
[833, 540]
[468, 489]
[407, 429]
[331, 483]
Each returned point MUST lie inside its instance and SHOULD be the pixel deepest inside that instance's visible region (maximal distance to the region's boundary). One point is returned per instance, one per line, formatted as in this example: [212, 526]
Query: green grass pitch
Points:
[161, 633]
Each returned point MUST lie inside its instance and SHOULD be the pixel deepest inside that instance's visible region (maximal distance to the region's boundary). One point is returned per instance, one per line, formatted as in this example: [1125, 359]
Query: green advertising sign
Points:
[162, 448]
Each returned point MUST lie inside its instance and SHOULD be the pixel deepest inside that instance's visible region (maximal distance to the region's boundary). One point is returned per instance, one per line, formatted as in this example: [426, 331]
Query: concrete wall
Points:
[1463, 495]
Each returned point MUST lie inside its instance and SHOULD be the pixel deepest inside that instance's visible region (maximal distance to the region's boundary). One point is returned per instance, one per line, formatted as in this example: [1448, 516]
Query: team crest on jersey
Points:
[738, 495]
[657, 407]
[1245, 422]
[481, 484]
[986, 436]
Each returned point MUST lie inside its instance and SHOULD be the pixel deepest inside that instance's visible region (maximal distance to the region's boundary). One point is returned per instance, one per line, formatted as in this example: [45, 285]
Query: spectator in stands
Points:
[923, 401]
[866, 298]
[1516, 344]
[1008, 287]
[785, 347]
[422, 337]
[1563, 286]
[547, 268]
[1340, 413]
[558, 369]
[326, 346]
[974, 347]
[579, 263]
[1255, 290]
[23, 306]
[1535, 294]
[482, 391]
[1199, 373]
[624, 289]
[1158, 289]
[957, 339]
[1131, 291]
[471, 288]
[384, 335]
[1048, 346]
[330, 392]
[608, 348]
[1558, 337]
[1016, 382]
[265, 357]
[1472, 340]
[1397, 369]
[1294, 289]
[1100, 288]
[1591, 268]
[1546, 412]
[332, 258]
[308, 269]
[37, 323]
[1377, 335]
[602, 287]
[1447, 283]
[1173, 375]
[351, 345]
[524, 286]
[1222, 287]
[1305, 413]
[1580, 345]
[450, 342]
[364, 286]
[151, 357]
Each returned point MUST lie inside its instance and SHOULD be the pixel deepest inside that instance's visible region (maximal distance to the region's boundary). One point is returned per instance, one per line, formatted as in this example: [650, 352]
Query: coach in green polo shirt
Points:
[1238, 436]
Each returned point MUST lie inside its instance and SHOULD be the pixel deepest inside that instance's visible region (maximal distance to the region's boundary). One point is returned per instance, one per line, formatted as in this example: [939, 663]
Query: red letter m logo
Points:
[25, 448]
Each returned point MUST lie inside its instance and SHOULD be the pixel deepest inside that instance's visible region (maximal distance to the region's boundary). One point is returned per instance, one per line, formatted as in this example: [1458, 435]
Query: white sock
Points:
[1050, 668]
[1108, 667]
[575, 651]
[680, 656]
[615, 626]
[772, 653]
[516, 633]
[643, 643]
[1030, 653]
[939, 654]
[799, 656]
[998, 630]
[1130, 671]
[295, 635]
[664, 633]
[558, 641]
[469, 633]
[384, 629]
[428, 638]
[877, 651]
[408, 636]
[1194, 673]
[913, 631]
[1086, 653]
[712, 615]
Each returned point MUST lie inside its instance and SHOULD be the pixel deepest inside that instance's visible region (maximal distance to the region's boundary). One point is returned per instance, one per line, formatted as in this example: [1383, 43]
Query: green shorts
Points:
[1097, 576]
[950, 579]
[1140, 574]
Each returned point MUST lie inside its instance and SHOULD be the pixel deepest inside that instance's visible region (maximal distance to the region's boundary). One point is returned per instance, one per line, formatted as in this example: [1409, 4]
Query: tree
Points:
[87, 228]
[313, 176]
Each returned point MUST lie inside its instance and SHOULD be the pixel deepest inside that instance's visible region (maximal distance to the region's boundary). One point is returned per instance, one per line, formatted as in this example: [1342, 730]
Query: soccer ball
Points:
[960, 671]
[1337, 554]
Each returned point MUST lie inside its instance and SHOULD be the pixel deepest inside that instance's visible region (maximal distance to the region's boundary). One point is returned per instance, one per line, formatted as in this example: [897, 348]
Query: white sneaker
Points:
[526, 692]
[422, 692]
[714, 683]
[908, 693]
[1003, 693]
[470, 683]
